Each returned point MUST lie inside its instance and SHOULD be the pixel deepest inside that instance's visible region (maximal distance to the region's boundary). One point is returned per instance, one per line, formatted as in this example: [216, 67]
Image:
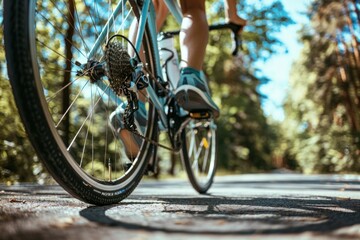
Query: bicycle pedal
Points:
[200, 115]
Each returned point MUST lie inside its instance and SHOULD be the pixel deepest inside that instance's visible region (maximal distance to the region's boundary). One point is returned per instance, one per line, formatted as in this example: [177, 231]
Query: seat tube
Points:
[159, 103]
[142, 24]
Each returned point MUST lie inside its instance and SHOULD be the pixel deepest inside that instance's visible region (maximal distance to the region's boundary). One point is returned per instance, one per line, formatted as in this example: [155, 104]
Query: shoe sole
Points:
[193, 99]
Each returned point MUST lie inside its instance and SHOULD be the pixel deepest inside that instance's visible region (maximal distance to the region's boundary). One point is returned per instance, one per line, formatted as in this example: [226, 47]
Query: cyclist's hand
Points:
[240, 22]
[237, 28]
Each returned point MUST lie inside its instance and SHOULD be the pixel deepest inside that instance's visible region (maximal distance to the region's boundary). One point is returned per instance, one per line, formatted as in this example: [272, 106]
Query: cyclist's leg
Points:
[192, 92]
[131, 142]
[161, 13]
[194, 33]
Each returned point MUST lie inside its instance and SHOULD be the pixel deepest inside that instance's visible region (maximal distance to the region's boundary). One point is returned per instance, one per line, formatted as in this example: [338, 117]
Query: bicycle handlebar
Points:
[235, 29]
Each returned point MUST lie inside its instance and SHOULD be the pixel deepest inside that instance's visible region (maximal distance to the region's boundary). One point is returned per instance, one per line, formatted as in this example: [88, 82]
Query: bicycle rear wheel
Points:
[65, 109]
[198, 153]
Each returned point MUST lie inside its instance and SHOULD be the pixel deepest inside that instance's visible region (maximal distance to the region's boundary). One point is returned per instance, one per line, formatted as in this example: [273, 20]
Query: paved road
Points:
[259, 206]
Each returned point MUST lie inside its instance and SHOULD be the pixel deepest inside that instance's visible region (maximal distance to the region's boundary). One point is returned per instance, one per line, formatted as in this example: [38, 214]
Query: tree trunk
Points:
[354, 42]
[67, 72]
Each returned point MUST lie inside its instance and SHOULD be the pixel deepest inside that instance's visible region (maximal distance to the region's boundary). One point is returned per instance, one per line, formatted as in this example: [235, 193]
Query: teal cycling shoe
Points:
[193, 94]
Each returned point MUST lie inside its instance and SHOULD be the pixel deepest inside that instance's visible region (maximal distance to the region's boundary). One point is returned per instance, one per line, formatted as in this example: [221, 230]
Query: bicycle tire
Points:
[35, 112]
[199, 153]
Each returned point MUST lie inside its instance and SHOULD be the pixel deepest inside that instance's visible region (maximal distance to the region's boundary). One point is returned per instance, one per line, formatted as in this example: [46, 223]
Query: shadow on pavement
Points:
[229, 216]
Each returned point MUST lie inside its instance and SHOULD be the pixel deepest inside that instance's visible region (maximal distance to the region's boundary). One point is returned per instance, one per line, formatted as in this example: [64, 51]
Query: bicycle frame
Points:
[147, 16]
[191, 135]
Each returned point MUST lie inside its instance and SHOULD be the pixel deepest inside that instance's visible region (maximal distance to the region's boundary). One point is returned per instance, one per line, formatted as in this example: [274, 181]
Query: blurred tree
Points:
[67, 71]
[15, 148]
[323, 107]
[18, 160]
[245, 136]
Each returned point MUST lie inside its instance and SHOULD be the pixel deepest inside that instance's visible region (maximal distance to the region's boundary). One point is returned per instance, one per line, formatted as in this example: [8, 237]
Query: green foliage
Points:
[18, 161]
[246, 138]
[322, 128]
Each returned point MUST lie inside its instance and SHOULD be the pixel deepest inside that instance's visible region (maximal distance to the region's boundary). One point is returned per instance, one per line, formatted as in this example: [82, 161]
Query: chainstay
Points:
[154, 142]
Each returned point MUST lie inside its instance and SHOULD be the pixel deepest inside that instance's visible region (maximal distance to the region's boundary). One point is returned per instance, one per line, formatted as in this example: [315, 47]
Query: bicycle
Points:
[70, 68]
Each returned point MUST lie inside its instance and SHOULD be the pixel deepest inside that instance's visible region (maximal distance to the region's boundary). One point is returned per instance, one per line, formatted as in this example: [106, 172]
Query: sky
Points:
[278, 67]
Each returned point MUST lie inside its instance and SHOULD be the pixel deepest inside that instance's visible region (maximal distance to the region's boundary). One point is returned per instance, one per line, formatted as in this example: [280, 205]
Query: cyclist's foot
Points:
[131, 141]
[193, 94]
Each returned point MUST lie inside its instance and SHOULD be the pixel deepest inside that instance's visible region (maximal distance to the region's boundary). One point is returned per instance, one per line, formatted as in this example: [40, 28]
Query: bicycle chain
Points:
[155, 142]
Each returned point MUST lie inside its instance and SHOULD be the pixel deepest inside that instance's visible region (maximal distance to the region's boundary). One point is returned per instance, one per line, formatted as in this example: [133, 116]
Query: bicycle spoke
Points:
[82, 125]
[121, 27]
[69, 96]
[191, 144]
[50, 98]
[106, 139]
[72, 103]
[91, 16]
[200, 161]
[57, 70]
[105, 31]
[76, 29]
[53, 50]
[110, 17]
[92, 132]
[59, 30]
[84, 147]
[80, 28]
[197, 155]
[206, 156]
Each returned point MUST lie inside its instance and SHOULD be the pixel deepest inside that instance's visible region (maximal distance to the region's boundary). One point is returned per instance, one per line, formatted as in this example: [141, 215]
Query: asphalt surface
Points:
[258, 206]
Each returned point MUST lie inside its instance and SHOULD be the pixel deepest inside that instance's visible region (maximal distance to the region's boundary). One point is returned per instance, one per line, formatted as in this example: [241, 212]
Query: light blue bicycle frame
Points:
[147, 15]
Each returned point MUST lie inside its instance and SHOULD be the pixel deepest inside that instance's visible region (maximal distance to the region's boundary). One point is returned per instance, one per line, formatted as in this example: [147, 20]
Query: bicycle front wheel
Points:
[199, 153]
[56, 64]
